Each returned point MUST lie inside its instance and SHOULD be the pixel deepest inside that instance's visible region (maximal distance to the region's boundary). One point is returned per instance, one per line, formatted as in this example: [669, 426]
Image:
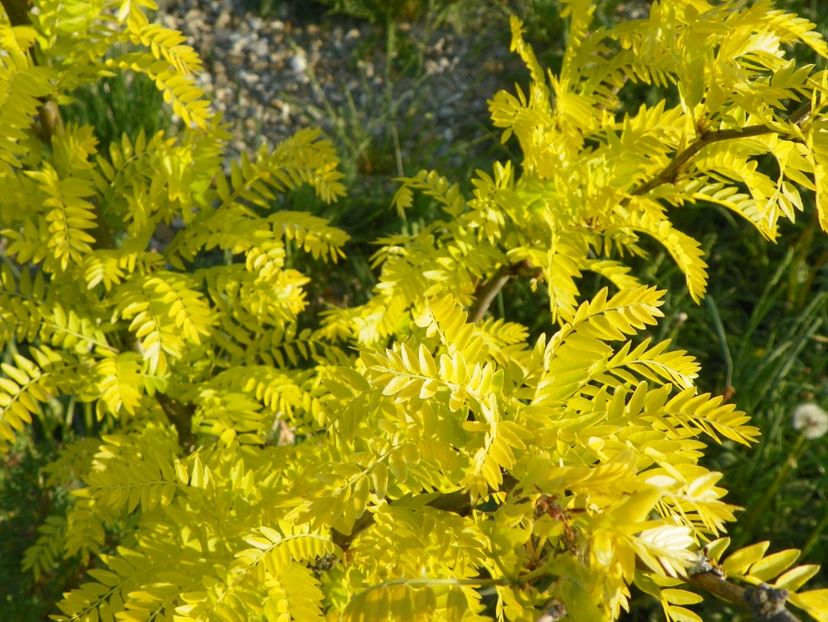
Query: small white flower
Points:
[811, 420]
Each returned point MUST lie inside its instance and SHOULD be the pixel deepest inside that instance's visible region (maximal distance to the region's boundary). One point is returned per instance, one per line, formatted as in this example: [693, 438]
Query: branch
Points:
[553, 611]
[49, 122]
[181, 416]
[17, 10]
[486, 293]
[670, 172]
[489, 289]
[767, 604]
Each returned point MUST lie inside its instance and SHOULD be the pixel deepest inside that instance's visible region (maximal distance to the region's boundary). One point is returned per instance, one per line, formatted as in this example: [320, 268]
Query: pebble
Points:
[248, 77]
[223, 20]
[299, 63]
[260, 48]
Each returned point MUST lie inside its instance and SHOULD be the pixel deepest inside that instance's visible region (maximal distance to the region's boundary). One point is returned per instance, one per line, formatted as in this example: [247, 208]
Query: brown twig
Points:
[489, 289]
[767, 604]
[485, 294]
[17, 10]
[181, 417]
[553, 611]
[670, 172]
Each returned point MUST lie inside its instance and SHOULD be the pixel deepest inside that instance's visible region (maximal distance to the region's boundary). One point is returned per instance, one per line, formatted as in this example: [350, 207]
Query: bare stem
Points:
[670, 172]
[489, 289]
[765, 603]
[17, 10]
[181, 416]
[487, 292]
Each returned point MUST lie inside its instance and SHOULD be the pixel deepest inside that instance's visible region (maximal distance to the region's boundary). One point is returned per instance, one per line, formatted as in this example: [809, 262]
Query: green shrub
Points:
[413, 456]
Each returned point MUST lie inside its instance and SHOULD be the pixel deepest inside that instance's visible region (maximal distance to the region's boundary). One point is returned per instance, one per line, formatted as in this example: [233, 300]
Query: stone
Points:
[299, 63]
[223, 21]
[248, 77]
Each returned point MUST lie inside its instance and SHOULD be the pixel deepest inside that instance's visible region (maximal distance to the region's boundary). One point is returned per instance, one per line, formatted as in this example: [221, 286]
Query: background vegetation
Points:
[761, 334]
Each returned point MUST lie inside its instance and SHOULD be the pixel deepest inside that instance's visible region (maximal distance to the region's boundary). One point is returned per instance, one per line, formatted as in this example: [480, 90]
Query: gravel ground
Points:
[272, 76]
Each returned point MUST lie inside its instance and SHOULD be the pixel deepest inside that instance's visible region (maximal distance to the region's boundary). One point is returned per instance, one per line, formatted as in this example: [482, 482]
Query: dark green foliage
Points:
[24, 504]
[124, 103]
